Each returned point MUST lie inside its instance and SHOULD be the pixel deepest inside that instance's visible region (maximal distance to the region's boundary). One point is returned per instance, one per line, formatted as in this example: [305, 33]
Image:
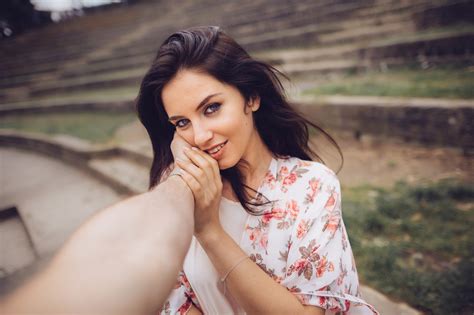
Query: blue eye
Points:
[212, 108]
[182, 123]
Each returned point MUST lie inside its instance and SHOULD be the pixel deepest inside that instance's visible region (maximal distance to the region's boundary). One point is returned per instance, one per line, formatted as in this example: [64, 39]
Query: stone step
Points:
[109, 65]
[325, 34]
[145, 59]
[287, 17]
[65, 103]
[384, 305]
[308, 13]
[122, 172]
[440, 122]
[52, 57]
[15, 241]
[428, 121]
[125, 78]
[99, 69]
[319, 67]
[127, 56]
[79, 196]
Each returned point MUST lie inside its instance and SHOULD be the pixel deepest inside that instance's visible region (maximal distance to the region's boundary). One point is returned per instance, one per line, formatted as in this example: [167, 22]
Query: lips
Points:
[215, 148]
[216, 151]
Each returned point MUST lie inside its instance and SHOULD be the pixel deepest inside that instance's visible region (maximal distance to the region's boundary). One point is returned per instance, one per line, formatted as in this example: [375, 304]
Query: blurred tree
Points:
[16, 16]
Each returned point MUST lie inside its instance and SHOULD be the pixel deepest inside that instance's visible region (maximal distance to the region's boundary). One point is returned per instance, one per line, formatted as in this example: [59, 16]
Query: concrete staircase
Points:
[307, 39]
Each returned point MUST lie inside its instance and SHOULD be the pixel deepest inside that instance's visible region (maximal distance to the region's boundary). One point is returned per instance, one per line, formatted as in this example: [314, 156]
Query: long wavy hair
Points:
[208, 49]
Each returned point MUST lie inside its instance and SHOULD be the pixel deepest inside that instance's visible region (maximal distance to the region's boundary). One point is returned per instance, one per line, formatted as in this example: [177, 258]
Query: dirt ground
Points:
[369, 160]
[383, 162]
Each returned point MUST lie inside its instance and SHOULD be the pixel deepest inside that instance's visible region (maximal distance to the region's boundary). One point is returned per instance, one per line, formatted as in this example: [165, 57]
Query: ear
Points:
[254, 103]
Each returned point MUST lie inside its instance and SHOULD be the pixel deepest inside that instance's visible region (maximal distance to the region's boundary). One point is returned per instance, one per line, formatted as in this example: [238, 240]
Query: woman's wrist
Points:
[210, 235]
[173, 186]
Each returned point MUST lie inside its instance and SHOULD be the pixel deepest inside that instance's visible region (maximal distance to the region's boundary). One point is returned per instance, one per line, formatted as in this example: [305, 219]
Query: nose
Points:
[202, 135]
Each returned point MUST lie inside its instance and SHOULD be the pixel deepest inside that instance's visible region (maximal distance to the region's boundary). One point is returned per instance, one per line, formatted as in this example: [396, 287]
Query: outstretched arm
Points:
[124, 260]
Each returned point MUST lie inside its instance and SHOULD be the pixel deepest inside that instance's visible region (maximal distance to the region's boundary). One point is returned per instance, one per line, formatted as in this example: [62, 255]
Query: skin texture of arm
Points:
[253, 289]
[123, 260]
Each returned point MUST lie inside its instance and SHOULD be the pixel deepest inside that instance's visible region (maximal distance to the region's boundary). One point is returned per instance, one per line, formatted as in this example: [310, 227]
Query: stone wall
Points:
[430, 122]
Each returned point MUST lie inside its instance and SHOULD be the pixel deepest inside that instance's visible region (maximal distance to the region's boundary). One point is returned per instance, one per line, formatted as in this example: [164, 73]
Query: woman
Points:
[268, 230]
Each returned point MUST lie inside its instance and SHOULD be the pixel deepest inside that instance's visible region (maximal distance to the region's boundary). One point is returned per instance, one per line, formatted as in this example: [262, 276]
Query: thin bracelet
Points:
[232, 268]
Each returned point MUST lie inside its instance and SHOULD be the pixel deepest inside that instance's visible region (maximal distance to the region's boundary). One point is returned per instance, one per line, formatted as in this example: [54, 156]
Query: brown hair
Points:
[284, 131]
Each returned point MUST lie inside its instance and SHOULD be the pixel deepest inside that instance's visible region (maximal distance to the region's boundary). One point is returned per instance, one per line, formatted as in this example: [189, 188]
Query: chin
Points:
[223, 164]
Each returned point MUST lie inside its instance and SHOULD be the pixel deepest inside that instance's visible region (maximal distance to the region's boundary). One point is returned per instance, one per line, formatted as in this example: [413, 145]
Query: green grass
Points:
[454, 82]
[415, 243]
[92, 126]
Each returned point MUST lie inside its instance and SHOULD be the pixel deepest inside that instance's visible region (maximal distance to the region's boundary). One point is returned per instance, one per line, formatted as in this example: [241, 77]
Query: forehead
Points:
[188, 88]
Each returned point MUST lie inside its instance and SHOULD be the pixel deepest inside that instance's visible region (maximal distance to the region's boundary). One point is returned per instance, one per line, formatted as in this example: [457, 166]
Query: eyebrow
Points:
[201, 104]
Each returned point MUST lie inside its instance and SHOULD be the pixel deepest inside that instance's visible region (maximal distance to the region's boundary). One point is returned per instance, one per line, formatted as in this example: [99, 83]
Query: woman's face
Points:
[211, 115]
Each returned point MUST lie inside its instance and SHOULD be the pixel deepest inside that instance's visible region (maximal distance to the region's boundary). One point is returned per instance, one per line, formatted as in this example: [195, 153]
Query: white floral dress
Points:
[300, 241]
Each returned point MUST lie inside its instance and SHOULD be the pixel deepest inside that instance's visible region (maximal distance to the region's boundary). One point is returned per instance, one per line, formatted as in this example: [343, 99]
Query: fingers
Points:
[197, 173]
[191, 181]
[205, 162]
[177, 146]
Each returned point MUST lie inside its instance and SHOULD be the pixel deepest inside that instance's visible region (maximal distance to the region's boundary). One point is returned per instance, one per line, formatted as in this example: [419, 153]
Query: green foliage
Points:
[416, 243]
[92, 126]
[437, 82]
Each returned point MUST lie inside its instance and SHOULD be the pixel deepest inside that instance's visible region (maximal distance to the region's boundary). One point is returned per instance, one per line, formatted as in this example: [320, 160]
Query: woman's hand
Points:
[202, 175]
[177, 146]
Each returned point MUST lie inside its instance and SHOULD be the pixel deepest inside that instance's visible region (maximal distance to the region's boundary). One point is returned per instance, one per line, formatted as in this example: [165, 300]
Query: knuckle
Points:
[200, 172]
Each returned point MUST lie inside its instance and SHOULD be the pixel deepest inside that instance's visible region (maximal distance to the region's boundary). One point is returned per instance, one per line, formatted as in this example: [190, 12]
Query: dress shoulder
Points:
[295, 175]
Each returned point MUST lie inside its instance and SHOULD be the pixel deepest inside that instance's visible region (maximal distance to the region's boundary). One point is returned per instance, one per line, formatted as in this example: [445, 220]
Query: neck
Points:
[258, 158]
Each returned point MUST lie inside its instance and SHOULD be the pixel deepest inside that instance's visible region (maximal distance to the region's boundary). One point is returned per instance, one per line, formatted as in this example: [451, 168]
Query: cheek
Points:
[237, 121]
[187, 135]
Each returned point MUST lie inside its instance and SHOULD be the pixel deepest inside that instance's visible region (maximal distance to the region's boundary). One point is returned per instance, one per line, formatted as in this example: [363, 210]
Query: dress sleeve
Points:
[320, 268]
[181, 298]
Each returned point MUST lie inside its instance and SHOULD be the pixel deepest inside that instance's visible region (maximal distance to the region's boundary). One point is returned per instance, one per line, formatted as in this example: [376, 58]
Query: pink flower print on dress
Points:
[298, 266]
[322, 266]
[302, 229]
[264, 241]
[258, 236]
[314, 184]
[184, 308]
[184, 280]
[283, 172]
[303, 163]
[332, 224]
[276, 213]
[293, 209]
[254, 234]
[331, 201]
[314, 187]
[269, 179]
[290, 179]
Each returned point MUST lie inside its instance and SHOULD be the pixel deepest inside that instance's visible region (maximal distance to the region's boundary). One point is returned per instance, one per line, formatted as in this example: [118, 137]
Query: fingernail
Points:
[194, 148]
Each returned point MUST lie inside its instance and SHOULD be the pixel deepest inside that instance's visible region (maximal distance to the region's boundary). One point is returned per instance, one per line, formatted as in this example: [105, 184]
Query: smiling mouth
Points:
[216, 148]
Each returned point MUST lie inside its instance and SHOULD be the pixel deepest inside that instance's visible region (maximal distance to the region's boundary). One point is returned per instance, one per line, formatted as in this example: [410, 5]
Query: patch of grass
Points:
[416, 243]
[438, 82]
[92, 126]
